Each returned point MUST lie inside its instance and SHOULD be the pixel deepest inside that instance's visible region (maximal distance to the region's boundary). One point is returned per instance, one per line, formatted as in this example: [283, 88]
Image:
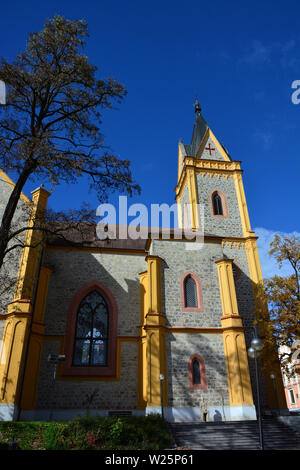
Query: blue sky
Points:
[240, 58]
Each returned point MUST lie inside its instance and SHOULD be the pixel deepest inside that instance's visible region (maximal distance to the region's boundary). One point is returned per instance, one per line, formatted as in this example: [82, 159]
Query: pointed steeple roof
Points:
[200, 128]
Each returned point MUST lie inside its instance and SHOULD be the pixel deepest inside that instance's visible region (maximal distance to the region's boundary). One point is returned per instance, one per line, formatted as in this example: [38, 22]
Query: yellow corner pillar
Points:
[142, 345]
[154, 328]
[32, 367]
[276, 397]
[18, 318]
[239, 383]
[193, 197]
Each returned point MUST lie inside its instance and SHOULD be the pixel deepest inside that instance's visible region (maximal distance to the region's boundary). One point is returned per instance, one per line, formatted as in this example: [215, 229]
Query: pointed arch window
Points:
[91, 336]
[197, 373]
[218, 204]
[191, 293]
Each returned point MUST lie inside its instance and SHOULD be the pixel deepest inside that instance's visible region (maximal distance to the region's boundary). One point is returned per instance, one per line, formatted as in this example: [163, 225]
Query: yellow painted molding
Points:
[12, 356]
[240, 193]
[219, 147]
[19, 306]
[32, 367]
[227, 287]
[154, 284]
[239, 383]
[193, 198]
[238, 376]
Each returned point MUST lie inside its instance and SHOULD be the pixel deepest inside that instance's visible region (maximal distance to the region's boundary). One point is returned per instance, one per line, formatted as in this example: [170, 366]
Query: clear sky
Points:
[240, 58]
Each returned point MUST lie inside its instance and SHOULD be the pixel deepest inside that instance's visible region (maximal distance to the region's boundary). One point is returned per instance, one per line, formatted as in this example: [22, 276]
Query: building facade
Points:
[291, 379]
[145, 322]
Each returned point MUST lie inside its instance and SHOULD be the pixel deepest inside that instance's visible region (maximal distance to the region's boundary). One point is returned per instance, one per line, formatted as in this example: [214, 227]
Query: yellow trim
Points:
[152, 346]
[19, 311]
[11, 357]
[219, 147]
[30, 256]
[32, 369]
[210, 134]
[9, 181]
[239, 383]
[240, 193]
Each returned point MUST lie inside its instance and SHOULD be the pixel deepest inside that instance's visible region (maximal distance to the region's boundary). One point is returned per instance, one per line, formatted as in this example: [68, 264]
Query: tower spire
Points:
[197, 106]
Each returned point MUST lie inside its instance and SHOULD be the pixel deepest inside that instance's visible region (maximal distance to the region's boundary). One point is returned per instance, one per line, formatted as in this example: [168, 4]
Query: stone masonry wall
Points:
[71, 271]
[65, 394]
[180, 347]
[230, 226]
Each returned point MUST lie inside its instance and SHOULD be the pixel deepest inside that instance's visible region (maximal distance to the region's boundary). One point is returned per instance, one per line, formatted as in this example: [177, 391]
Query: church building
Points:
[122, 326]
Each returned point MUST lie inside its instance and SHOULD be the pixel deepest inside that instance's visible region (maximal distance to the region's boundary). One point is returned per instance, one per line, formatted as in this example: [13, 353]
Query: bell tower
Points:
[209, 178]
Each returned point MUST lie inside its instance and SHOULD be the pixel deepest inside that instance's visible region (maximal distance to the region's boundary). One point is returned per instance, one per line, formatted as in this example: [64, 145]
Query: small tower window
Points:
[217, 204]
[196, 372]
[190, 292]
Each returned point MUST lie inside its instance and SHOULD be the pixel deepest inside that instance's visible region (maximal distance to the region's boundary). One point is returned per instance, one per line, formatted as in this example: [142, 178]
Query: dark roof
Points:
[85, 236]
[200, 128]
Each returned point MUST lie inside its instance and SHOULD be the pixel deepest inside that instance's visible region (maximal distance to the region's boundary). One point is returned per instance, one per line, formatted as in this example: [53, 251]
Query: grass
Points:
[86, 433]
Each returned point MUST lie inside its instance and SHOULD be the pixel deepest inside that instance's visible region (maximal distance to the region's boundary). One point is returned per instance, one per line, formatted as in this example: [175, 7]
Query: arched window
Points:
[217, 204]
[90, 347]
[191, 293]
[197, 374]
[91, 336]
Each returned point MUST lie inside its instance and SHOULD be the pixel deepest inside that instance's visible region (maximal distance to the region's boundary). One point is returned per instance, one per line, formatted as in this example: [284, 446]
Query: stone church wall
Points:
[230, 226]
[181, 346]
[71, 271]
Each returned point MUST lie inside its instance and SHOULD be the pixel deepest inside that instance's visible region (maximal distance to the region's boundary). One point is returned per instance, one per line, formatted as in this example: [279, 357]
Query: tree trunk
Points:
[10, 211]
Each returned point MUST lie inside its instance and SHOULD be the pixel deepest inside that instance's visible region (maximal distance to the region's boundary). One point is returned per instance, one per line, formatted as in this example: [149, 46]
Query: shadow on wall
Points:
[71, 270]
[217, 394]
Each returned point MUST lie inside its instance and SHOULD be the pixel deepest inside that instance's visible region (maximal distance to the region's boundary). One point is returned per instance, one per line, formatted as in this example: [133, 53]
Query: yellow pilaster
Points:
[193, 197]
[18, 318]
[239, 384]
[260, 307]
[240, 193]
[155, 335]
[30, 257]
[142, 346]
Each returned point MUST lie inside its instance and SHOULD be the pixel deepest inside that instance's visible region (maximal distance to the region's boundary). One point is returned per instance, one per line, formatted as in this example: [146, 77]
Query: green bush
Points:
[88, 432]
